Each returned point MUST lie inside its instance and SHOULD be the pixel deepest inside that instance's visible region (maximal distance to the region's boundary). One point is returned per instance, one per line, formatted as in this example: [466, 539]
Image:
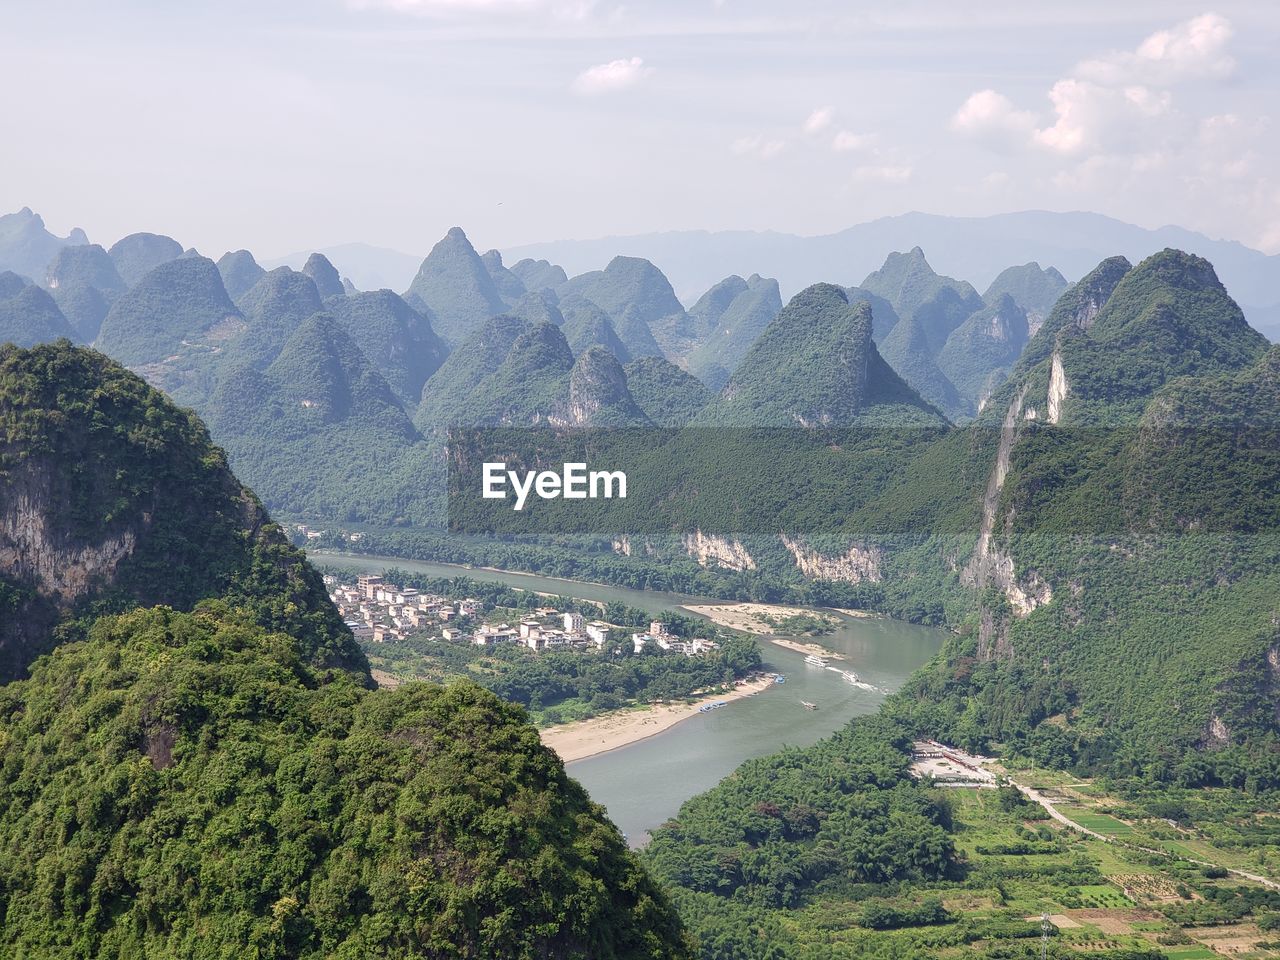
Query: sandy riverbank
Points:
[800, 646]
[755, 617]
[586, 738]
[750, 617]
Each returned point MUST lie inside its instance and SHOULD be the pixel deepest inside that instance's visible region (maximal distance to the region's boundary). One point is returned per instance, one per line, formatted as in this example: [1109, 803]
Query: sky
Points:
[285, 125]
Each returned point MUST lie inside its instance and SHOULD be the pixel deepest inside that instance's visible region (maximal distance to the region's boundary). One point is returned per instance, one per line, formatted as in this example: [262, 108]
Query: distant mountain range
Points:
[975, 249]
[306, 380]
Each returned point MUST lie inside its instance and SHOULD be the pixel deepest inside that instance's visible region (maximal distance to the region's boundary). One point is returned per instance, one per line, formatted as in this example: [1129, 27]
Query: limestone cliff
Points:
[860, 564]
[111, 497]
[712, 550]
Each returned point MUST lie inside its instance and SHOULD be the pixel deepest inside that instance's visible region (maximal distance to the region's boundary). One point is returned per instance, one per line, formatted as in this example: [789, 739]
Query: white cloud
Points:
[847, 142]
[611, 77]
[991, 117]
[819, 120]
[1093, 118]
[1194, 49]
[758, 146]
[1118, 104]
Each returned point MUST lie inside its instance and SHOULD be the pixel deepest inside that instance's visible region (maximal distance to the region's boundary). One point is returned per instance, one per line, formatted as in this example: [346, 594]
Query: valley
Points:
[642, 763]
[1036, 522]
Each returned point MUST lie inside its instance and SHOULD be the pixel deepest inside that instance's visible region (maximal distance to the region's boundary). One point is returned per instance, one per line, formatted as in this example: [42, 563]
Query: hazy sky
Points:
[291, 124]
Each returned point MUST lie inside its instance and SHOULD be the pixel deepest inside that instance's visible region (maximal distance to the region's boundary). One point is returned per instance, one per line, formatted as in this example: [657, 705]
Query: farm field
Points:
[1102, 898]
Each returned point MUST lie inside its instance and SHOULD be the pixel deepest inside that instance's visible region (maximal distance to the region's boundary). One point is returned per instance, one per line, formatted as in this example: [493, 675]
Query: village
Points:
[378, 611]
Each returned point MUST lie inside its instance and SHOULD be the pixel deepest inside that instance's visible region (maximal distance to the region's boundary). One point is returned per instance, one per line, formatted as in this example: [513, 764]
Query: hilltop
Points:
[234, 736]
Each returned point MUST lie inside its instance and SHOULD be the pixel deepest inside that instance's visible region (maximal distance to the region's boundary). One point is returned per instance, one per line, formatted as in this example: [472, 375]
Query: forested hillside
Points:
[223, 777]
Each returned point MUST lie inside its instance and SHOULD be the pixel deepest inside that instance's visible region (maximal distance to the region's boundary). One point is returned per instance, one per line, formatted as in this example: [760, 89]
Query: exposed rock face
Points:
[1217, 733]
[713, 550]
[114, 498]
[1096, 289]
[859, 565]
[33, 551]
[1058, 388]
[991, 564]
[598, 394]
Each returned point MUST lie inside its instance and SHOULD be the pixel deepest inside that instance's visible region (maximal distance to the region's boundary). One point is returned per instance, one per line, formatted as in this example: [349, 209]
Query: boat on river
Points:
[815, 661]
[808, 706]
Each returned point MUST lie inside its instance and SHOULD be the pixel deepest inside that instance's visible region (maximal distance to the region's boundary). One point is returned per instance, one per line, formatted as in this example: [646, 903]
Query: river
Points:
[643, 784]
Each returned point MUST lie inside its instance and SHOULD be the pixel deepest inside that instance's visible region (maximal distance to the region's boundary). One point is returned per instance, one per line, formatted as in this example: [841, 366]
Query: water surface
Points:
[643, 784]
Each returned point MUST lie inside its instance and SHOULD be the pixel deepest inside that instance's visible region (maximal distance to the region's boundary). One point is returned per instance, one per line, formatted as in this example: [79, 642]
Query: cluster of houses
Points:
[379, 611]
[547, 629]
[659, 636]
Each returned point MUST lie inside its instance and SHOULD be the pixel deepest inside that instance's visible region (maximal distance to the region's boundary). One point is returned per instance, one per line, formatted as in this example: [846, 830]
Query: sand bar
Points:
[621, 728]
[749, 617]
[800, 646]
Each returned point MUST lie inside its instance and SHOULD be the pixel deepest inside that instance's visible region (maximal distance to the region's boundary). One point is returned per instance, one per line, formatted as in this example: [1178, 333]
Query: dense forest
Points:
[200, 767]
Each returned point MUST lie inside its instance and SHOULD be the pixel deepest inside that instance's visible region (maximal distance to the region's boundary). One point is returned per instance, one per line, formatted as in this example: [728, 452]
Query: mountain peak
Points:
[792, 376]
[325, 275]
[178, 302]
[397, 339]
[86, 264]
[598, 393]
[456, 286]
[509, 285]
[31, 316]
[139, 253]
[239, 272]
[322, 370]
[586, 325]
[538, 274]
[939, 303]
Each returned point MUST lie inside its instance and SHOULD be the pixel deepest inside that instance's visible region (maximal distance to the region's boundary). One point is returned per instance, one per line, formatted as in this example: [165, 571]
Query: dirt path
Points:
[1049, 807]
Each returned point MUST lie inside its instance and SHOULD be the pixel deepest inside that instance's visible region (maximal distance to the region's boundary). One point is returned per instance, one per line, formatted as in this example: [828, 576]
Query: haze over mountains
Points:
[976, 249]
[971, 248]
[473, 341]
